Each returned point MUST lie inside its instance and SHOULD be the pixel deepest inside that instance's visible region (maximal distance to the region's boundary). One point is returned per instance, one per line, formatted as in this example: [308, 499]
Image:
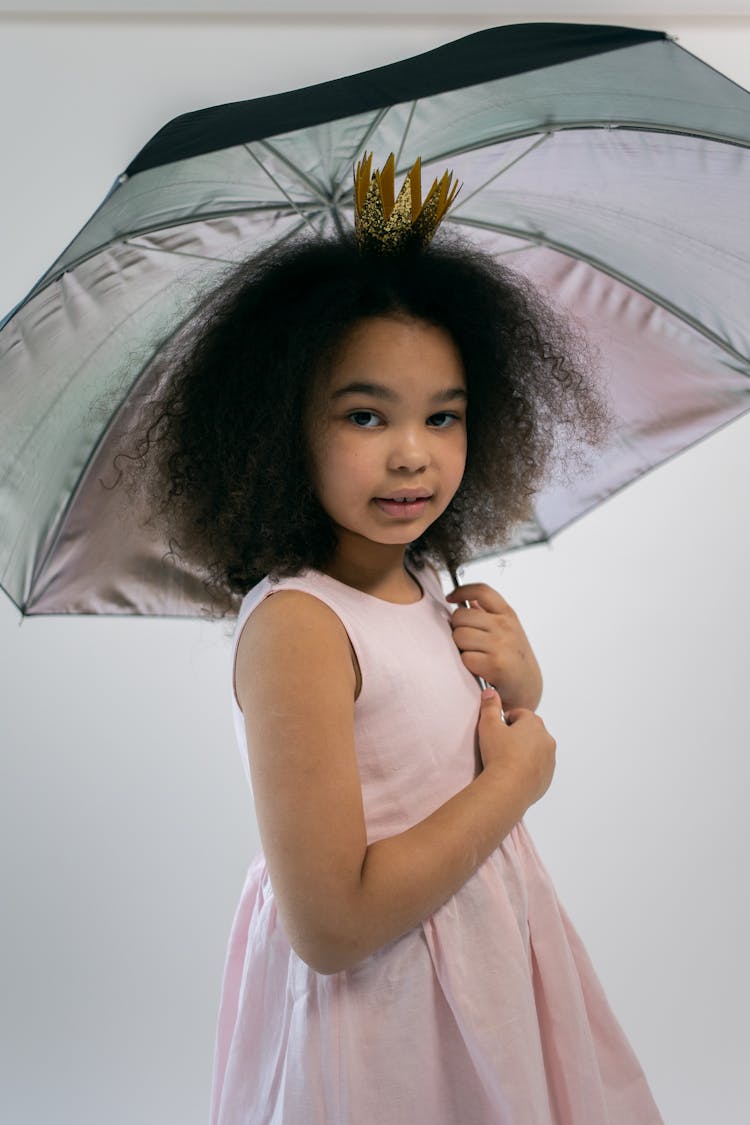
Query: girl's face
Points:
[405, 430]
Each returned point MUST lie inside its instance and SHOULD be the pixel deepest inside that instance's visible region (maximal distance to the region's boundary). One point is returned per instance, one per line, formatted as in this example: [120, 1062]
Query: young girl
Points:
[336, 422]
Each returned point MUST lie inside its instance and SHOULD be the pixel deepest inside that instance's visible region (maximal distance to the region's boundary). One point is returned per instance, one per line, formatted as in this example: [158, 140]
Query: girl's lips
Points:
[401, 510]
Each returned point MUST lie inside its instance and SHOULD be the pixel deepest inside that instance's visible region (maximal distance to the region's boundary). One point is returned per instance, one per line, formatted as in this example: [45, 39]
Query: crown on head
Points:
[386, 223]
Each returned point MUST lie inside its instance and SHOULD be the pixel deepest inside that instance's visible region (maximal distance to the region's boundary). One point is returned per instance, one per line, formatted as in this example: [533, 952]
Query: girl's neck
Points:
[393, 583]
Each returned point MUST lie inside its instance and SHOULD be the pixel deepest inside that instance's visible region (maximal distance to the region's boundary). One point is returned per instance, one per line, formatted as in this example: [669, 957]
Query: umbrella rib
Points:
[651, 295]
[405, 133]
[175, 253]
[327, 203]
[347, 164]
[379, 117]
[41, 562]
[539, 141]
[283, 191]
[182, 221]
[571, 126]
[314, 185]
[561, 127]
[308, 181]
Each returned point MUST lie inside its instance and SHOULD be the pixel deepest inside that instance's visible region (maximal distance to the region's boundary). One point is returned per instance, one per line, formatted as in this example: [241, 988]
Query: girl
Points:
[335, 422]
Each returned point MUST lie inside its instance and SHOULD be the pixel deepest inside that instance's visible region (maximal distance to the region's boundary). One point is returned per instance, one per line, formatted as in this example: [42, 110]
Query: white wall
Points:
[126, 825]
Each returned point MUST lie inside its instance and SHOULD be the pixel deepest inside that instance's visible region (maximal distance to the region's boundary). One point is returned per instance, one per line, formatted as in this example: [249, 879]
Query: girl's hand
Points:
[493, 645]
[523, 750]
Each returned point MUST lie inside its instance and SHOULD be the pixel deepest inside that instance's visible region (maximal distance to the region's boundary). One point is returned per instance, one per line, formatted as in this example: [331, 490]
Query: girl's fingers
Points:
[487, 597]
[480, 625]
[494, 602]
[477, 642]
[513, 714]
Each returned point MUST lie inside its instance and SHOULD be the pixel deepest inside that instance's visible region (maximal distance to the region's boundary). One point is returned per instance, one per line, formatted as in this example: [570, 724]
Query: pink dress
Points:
[487, 1013]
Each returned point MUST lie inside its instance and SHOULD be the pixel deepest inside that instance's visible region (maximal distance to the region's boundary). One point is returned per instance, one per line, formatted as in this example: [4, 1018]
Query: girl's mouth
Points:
[402, 509]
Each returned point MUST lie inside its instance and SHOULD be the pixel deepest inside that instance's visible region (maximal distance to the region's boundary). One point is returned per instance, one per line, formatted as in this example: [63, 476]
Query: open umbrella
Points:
[609, 164]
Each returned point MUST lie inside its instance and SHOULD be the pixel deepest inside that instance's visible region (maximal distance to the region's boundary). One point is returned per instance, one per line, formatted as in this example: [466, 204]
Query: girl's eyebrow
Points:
[377, 390]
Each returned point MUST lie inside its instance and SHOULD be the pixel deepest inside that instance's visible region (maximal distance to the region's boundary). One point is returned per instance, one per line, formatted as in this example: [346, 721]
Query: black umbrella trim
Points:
[482, 57]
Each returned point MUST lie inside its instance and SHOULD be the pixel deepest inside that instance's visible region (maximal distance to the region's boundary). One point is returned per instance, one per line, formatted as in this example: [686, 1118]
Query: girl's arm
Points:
[338, 899]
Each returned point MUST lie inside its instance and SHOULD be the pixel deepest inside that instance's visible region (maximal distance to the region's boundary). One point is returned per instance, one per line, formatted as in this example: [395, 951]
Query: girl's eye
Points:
[359, 414]
[372, 414]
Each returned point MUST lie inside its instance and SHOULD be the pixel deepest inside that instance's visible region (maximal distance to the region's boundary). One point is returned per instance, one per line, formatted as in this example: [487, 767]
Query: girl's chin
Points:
[397, 532]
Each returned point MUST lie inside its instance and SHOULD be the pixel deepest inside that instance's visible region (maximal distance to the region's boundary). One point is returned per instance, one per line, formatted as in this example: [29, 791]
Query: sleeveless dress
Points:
[487, 1013]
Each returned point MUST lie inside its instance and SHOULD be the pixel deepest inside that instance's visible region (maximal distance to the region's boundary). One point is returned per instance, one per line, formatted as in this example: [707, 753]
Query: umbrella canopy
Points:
[608, 164]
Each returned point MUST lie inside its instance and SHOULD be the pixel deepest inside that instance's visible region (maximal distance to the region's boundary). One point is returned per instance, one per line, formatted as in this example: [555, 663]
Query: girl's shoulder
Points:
[288, 634]
[305, 582]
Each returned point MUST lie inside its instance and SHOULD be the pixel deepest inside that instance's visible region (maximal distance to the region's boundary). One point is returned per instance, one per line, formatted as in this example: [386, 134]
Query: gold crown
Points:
[388, 224]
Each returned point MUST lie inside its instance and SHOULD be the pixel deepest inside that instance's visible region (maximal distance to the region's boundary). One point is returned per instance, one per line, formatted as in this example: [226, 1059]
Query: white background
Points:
[127, 827]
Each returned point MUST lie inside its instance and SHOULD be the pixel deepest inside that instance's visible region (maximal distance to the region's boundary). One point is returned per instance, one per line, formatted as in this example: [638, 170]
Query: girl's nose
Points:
[409, 452]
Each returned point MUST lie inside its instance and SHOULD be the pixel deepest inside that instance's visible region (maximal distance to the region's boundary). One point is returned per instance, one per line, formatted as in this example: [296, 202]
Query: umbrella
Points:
[607, 163]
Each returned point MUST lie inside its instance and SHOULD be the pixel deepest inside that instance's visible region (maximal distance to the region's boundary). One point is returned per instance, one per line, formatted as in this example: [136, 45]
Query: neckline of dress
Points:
[374, 597]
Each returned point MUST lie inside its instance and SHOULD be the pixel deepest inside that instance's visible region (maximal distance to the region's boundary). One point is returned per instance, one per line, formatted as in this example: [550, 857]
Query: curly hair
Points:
[222, 449]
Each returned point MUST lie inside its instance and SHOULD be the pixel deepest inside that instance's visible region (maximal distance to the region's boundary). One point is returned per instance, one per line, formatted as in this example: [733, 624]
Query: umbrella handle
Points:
[454, 576]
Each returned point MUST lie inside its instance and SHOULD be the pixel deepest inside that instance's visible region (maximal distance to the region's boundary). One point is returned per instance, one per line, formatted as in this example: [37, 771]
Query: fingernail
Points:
[488, 693]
